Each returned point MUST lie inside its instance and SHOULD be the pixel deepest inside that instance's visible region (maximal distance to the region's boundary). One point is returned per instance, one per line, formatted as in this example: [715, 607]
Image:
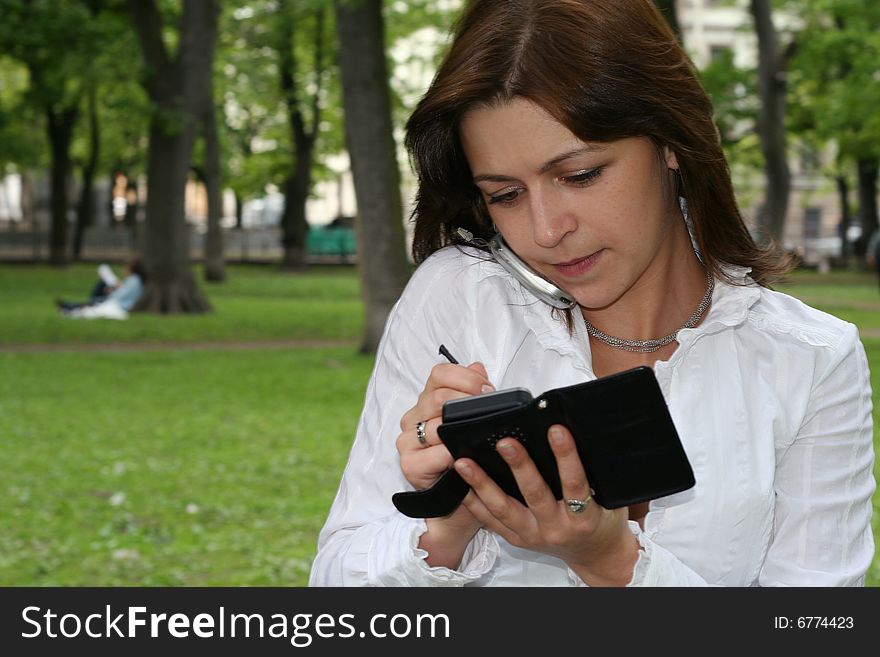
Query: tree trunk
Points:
[215, 268]
[28, 212]
[86, 207]
[239, 212]
[294, 223]
[868, 213]
[382, 251]
[177, 88]
[771, 123]
[132, 205]
[845, 216]
[171, 286]
[60, 128]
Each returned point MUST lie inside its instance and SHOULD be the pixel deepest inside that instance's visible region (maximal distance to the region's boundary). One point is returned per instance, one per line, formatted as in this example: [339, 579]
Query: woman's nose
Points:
[551, 220]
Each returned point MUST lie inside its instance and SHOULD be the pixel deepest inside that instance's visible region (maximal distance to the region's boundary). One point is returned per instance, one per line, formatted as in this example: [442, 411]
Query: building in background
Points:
[712, 28]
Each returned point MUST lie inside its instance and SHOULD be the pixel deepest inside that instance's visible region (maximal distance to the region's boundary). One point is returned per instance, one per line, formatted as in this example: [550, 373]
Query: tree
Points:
[86, 206]
[303, 129]
[771, 122]
[836, 95]
[383, 266]
[54, 40]
[178, 86]
[247, 83]
[215, 266]
[21, 149]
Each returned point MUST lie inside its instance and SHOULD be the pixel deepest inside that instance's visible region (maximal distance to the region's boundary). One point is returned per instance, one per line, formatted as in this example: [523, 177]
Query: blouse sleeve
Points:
[824, 484]
[366, 541]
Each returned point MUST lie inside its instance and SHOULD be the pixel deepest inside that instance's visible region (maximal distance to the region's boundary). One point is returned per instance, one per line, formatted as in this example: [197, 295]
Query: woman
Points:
[578, 130]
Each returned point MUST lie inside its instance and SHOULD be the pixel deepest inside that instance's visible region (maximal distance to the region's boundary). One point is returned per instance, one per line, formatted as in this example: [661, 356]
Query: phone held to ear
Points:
[534, 282]
[624, 434]
[545, 290]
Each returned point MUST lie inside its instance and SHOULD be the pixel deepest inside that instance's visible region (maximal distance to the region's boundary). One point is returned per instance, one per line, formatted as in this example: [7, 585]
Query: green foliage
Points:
[57, 52]
[734, 95]
[835, 76]
[22, 136]
[417, 36]
[54, 51]
[247, 88]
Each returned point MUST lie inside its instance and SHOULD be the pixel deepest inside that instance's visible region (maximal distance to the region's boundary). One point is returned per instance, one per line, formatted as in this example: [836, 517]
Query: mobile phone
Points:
[534, 282]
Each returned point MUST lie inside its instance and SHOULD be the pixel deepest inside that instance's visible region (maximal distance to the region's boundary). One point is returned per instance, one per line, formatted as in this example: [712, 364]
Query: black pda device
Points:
[625, 437]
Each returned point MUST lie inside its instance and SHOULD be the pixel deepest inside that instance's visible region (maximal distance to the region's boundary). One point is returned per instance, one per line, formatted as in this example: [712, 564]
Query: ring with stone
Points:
[421, 435]
[578, 506]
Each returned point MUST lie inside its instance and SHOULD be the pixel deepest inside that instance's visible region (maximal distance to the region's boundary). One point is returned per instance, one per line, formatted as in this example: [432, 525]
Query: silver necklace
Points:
[648, 346]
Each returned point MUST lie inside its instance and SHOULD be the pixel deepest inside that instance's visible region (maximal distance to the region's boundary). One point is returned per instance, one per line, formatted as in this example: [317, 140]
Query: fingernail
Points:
[487, 387]
[464, 469]
[556, 435]
[506, 450]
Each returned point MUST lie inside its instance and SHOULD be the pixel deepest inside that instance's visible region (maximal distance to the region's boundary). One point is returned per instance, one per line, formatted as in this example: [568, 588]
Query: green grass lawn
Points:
[257, 303]
[180, 468]
[203, 467]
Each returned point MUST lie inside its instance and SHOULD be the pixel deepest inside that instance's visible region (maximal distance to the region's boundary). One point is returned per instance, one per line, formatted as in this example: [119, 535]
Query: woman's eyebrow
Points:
[491, 177]
[544, 168]
[588, 148]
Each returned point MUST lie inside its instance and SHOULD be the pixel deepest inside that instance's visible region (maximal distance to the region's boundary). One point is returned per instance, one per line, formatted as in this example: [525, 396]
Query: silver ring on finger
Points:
[578, 506]
[421, 434]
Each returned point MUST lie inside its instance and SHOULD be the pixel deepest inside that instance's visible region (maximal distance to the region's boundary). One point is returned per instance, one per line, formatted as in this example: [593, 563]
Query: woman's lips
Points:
[579, 266]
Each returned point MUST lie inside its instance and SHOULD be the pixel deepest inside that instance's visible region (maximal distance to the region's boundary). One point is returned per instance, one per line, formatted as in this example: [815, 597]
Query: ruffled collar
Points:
[733, 297]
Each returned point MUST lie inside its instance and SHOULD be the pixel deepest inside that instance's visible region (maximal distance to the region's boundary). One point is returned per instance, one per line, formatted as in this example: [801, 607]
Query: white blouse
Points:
[771, 400]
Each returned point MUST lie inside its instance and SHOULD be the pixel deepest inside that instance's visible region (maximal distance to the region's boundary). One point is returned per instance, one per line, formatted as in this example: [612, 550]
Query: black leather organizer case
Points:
[625, 437]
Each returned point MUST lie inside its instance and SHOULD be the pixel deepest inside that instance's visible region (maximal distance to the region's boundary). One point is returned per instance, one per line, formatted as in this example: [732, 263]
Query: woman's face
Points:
[592, 217]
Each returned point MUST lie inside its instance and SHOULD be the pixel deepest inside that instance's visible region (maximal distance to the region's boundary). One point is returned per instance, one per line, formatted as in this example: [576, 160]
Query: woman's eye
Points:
[583, 177]
[506, 198]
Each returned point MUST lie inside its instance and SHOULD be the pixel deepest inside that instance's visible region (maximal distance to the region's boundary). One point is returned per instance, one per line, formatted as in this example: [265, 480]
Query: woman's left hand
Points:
[595, 543]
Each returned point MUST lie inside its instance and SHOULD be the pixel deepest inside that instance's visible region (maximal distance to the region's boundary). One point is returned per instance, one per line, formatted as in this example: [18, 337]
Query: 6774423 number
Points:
[813, 622]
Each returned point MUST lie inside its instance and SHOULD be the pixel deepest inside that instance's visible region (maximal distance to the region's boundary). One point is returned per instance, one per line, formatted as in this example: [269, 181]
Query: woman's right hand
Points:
[446, 538]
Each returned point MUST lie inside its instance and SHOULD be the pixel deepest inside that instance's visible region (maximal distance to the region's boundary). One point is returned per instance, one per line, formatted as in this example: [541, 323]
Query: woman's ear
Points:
[669, 157]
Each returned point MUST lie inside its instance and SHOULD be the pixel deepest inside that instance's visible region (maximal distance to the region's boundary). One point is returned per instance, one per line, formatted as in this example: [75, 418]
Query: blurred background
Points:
[251, 151]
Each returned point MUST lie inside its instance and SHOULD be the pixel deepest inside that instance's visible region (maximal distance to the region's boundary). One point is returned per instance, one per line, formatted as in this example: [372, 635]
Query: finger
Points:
[505, 509]
[481, 370]
[466, 379]
[534, 489]
[422, 467]
[446, 382]
[409, 440]
[429, 405]
[431, 436]
[571, 470]
[478, 510]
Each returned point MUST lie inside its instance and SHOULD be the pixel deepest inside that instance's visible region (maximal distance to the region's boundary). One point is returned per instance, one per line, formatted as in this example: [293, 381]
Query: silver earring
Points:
[683, 206]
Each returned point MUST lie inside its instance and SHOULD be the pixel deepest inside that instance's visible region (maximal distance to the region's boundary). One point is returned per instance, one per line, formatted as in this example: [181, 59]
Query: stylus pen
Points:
[445, 352]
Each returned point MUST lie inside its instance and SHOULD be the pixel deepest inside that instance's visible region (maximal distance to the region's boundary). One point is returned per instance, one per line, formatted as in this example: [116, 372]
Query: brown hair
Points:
[606, 71]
